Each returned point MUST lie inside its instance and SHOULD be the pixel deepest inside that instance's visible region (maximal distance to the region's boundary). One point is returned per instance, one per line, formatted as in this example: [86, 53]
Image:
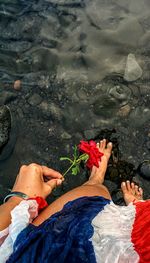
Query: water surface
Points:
[70, 57]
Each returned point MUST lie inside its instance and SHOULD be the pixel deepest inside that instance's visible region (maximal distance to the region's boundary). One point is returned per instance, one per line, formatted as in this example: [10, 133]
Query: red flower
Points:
[91, 149]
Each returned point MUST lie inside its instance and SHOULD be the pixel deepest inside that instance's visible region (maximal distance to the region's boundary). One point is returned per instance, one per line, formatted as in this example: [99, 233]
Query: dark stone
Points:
[34, 100]
[117, 197]
[110, 185]
[144, 169]
[6, 97]
[5, 125]
[148, 145]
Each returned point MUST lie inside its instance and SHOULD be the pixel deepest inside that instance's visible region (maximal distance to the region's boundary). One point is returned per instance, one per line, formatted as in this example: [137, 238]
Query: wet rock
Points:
[6, 97]
[17, 84]
[132, 70]
[65, 135]
[110, 185]
[124, 111]
[89, 134]
[35, 100]
[105, 107]
[148, 145]
[51, 109]
[20, 113]
[5, 125]
[144, 169]
[121, 93]
[117, 198]
[82, 94]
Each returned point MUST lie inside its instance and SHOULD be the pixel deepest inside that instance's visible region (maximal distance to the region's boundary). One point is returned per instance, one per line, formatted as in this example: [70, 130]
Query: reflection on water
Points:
[84, 66]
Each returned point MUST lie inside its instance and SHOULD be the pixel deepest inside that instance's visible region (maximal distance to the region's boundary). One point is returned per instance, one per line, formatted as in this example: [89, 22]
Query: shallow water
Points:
[71, 57]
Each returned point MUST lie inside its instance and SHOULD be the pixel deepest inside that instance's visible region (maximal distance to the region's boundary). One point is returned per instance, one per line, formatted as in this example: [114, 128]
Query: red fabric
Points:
[94, 154]
[41, 202]
[141, 231]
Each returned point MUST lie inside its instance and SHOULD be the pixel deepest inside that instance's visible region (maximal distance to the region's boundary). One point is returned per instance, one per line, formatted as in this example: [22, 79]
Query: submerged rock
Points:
[5, 125]
[144, 169]
[35, 100]
[132, 70]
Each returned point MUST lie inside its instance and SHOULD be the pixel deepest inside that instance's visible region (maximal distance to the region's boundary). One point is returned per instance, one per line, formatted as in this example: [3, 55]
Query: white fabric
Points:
[112, 235]
[21, 216]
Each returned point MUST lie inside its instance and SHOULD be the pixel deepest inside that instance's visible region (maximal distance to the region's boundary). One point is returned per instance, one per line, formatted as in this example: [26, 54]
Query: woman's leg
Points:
[93, 187]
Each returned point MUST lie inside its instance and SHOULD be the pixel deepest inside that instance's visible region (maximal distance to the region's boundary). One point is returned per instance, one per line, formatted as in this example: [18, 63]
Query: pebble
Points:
[65, 135]
[17, 84]
[132, 70]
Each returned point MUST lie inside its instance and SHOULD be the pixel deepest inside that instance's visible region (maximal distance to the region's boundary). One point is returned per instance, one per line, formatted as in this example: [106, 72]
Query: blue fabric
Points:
[64, 237]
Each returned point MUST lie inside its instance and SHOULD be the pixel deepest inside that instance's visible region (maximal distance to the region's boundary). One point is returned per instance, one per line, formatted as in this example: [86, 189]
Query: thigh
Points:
[84, 190]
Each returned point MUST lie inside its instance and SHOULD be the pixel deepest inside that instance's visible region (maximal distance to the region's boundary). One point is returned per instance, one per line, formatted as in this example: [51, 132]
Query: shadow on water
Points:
[83, 71]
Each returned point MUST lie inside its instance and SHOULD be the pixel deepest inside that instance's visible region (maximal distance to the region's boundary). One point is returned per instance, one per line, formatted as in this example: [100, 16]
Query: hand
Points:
[37, 180]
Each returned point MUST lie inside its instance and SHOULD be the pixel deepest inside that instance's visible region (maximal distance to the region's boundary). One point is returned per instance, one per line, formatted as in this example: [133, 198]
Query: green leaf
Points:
[84, 157]
[75, 153]
[66, 159]
[75, 170]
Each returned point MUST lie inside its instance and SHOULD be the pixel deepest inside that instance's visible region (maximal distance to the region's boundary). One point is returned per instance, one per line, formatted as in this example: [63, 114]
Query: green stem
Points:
[75, 162]
[69, 169]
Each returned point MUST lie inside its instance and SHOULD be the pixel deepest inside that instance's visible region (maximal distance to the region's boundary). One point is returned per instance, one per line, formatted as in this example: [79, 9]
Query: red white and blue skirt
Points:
[88, 229]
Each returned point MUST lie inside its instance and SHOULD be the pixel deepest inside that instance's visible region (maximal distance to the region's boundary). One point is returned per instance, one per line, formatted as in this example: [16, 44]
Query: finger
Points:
[48, 172]
[54, 183]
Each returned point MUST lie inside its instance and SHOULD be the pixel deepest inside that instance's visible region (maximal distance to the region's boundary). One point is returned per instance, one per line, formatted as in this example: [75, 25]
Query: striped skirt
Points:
[88, 229]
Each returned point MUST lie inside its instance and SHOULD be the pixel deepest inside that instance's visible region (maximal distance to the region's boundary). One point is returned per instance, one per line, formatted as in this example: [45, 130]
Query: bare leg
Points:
[131, 192]
[93, 187]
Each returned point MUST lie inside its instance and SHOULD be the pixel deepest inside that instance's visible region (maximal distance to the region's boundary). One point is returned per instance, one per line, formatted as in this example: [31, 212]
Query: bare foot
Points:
[97, 174]
[131, 192]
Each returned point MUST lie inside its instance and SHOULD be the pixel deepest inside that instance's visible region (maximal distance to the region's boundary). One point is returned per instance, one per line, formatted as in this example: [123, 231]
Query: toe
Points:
[98, 145]
[133, 187]
[101, 145]
[104, 143]
[109, 147]
[141, 192]
[137, 190]
[124, 187]
[128, 186]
